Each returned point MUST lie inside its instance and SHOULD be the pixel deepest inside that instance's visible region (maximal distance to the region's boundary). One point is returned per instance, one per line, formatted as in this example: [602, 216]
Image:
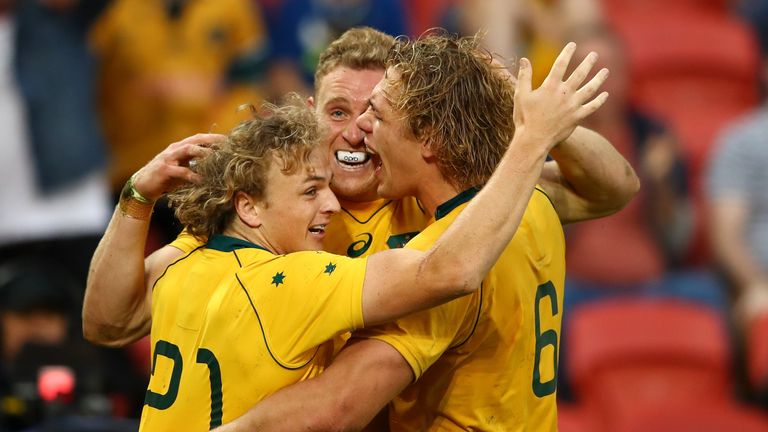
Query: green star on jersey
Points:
[330, 268]
[278, 278]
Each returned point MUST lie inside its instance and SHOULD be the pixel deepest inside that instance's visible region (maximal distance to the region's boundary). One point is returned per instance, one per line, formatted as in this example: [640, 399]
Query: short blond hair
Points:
[289, 133]
[454, 99]
[358, 48]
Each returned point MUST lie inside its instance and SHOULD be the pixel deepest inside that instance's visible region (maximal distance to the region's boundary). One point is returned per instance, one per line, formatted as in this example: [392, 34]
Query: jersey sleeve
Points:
[307, 298]
[186, 242]
[423, 337]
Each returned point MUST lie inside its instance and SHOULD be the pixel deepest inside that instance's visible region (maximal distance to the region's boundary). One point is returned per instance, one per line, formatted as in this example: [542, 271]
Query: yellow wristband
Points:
[133, 204]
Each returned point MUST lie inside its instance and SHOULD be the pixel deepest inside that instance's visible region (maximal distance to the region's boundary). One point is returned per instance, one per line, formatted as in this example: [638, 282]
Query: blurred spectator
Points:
[170, 69]
[739, 212]
[536, 29]
[54, 193]
[640, 243]
[638, 251]
[304, 29]
[55, 205]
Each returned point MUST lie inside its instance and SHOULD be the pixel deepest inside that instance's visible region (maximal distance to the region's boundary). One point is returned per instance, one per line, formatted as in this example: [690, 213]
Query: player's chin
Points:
[314, 241]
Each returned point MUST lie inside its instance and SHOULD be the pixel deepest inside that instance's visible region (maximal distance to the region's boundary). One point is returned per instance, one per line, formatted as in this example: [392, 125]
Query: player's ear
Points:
[248, 209]
[311, 102]
[426, 150]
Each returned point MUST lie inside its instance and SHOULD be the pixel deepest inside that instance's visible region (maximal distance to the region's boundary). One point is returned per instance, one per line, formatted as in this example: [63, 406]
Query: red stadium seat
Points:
[573, 418]
[696, 71]
[700, 418]
[634, 7]
[627, 354]
[757, 353]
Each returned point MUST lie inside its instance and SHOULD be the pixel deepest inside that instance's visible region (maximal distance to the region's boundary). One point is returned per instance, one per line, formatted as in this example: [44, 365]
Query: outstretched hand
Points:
[171, 167]
[551, 112]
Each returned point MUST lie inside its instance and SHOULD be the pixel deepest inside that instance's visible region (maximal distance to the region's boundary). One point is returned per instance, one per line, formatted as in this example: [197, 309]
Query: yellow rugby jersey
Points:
[361, 229]
[147, 54]
[232, 323]
[186, 242]
[487, 361]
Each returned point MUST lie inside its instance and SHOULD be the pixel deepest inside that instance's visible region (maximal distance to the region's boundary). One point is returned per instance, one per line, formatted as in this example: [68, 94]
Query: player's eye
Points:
[311, 192]
[337, 114]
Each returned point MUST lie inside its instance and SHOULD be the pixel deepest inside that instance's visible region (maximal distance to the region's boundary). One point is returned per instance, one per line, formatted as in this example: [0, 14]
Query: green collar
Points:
[443, 209]
[224, 243]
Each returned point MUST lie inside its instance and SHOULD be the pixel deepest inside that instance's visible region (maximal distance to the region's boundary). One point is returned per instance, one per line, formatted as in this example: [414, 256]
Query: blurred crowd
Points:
[90, 90]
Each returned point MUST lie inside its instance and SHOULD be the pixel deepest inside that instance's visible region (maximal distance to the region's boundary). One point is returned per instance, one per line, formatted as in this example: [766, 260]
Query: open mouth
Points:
[352, 158]
[317, 229]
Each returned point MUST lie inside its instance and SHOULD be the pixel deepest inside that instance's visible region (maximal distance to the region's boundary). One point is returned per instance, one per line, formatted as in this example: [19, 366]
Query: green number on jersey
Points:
[548, 338]
[164, 401]
[204, 356]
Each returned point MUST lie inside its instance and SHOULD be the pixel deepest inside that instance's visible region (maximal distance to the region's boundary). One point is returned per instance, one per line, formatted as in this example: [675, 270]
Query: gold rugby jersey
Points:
[487, 361]
[232, 323]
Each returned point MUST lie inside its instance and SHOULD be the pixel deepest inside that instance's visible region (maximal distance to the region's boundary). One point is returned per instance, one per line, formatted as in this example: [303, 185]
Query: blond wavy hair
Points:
[358, 48]
[287, 134]
[454, 99]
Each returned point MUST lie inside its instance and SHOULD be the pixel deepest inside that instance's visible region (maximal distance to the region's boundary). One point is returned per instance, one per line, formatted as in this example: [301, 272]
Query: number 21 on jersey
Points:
[205, 357]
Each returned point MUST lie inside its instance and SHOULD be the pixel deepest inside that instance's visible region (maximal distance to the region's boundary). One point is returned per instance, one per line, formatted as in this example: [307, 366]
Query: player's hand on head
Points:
[174, 166]
[552, 111]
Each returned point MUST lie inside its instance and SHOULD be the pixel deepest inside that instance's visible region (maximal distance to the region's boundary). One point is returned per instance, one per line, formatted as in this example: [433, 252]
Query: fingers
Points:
[183, 173]
[590, 107]
[203, 140]
[185, 152]
[524, 74]
[557, 72]
[590, 88]
[581, 72]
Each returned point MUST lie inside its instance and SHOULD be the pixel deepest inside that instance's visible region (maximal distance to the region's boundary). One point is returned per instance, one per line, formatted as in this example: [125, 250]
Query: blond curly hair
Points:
[453, 98]
[287, 133]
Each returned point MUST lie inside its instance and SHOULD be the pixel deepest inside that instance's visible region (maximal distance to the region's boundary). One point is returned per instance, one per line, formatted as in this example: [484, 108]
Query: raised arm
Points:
[587, 177]
[116, 307]
[459, 260]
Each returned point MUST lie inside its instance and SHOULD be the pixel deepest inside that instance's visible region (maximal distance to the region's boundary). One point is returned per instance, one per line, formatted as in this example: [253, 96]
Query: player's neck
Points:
[433, 193]
[240, 231]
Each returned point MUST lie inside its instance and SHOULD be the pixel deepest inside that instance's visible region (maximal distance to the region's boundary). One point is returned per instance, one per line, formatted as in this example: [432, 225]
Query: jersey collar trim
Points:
[445, 208]
[224, 243]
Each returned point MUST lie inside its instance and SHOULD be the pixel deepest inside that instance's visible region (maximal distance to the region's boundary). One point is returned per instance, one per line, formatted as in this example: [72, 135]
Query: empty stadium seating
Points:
[625, 354]
[699, 418]
[757, 353]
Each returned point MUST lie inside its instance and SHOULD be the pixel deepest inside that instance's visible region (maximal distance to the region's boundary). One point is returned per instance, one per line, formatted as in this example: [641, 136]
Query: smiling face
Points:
[296, 207]
[342, 95]
[397, 155]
